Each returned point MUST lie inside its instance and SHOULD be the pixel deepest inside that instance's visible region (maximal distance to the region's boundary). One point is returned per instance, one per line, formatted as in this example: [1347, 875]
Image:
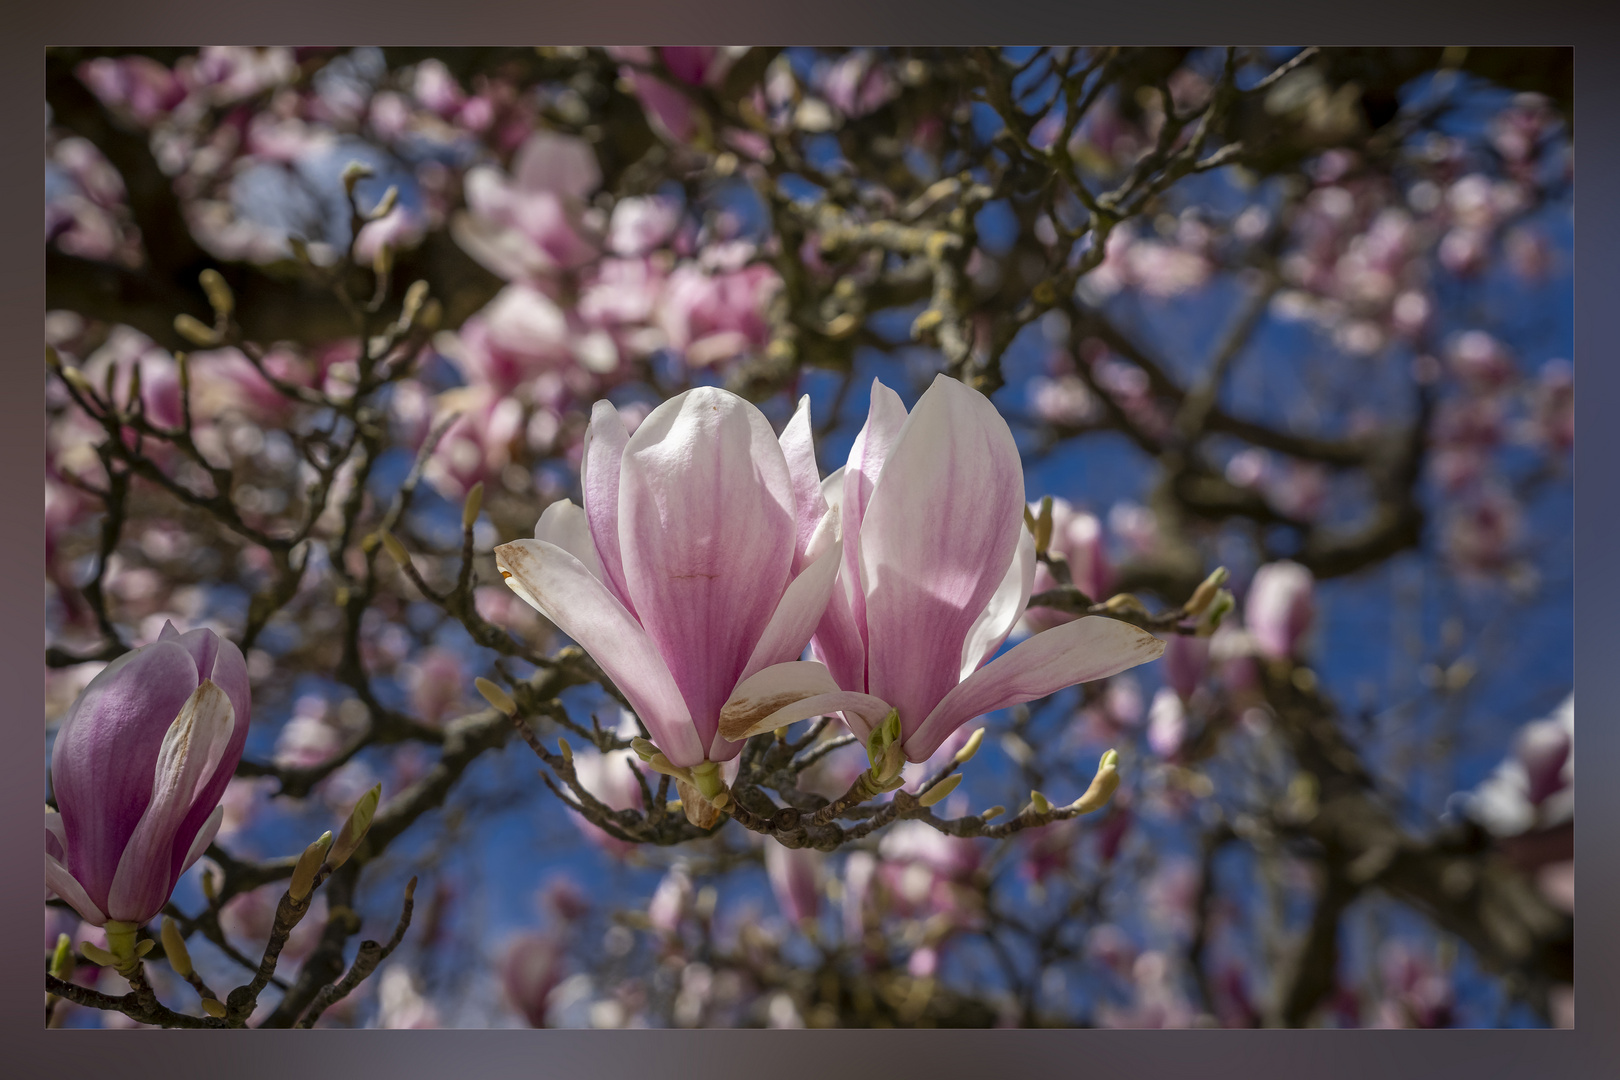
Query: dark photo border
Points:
[1592, 1050]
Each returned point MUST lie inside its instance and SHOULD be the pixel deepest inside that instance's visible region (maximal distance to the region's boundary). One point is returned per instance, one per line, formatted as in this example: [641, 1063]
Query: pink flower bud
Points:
[1185, 659]
[1280, 607]
[138, 769]
[530, 969]
[795, 875]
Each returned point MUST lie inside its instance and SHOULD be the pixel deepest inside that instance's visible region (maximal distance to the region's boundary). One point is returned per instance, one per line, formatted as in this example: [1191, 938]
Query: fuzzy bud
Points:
[354, 830]
[969, 748]
[1043, 526]
[1206, 591]
[940, 790]
[498, 698]
[395, 548]
[218, 293]
[174, 948]
[195, 331]
[470, 509]
[309, 864]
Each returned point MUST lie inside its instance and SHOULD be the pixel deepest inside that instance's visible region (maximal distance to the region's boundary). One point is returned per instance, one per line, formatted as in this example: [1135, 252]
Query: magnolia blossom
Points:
[795, 876]
[139, 766]
[1078, 537]
[532, 222]
[611, 777]
[1280, 608]
[703, 556]
[937, 569]
[1186, 658]
[531, 968]
[1167, 723]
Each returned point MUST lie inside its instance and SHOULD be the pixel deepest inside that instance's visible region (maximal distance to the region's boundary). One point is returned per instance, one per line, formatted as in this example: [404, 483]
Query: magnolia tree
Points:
[809, 537]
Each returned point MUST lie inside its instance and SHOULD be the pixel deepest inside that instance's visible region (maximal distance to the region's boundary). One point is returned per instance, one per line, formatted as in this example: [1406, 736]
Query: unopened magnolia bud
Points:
[993, 812]
[1102, 786]
[382, 262]
[470, 509]
[218, 293]
[354, 830]
[385, 205]
[415, 297]
[883, 749]
[1043, 526]
[309, 864]
[195, 331]
[353, 173]
[1206, 591]
[1123, 602]
[432, 314]
[1029, 521]
[395, 548]
[144, 947]
[75, 378]
[566, 750]
[62, 959]
[174, 948]
[214, 1008]
[1038, 803]
[940, 790]
[497, 697]
[210, 885]
[1221, 606]
[969, 748]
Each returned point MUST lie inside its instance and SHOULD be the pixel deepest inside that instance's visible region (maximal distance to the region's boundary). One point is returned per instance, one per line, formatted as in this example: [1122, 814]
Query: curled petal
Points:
[65, 885]
[1001, 614]
[796, 616]
[599, 467]
[559, 586]
[564, 524]
[205, 836]
[1082, 651]
[810, 506]
[768, 690]
[788, 693]
[884, 420]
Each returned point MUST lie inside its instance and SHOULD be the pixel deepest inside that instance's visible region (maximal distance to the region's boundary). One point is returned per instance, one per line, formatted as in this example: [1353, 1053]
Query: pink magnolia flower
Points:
[642, 223]
[712, 317]
[1078, 537]
[671, 899]
[611, 778]
[521, 333]
[795, 876]
[139, 766]
[1185, 660]
[937, 568]
[530, 969]
[703, 557]
[1167, 723]
[437, 684]
[670, 108]
[1280, 608]
[531, 223]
